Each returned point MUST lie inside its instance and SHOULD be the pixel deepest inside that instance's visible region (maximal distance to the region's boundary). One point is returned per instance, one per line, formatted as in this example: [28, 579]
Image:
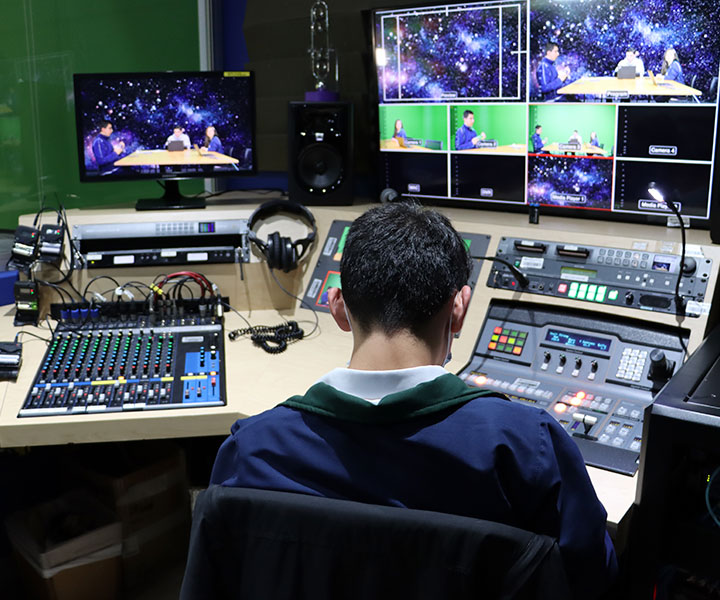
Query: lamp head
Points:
[655, 192]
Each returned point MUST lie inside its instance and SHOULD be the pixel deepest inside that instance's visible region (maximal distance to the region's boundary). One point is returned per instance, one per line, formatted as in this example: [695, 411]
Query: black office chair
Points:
[713, 89]
[266, 545]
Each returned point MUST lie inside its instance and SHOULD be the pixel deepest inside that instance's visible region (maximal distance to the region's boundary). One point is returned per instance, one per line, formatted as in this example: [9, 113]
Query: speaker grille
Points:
[320, 152]
[320, 167]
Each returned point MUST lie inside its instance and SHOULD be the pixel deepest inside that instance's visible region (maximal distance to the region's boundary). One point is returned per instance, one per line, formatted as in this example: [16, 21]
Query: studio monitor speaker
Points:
[320, 159]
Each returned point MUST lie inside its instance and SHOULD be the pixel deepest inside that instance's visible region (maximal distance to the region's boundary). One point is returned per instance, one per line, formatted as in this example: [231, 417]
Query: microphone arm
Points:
[519, 276]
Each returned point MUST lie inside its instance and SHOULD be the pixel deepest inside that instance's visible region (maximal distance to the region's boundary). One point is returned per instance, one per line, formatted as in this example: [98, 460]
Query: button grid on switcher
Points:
[632, 363]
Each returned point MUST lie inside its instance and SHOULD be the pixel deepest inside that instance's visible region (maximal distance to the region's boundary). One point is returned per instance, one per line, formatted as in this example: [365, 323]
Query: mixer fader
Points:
[130, 364]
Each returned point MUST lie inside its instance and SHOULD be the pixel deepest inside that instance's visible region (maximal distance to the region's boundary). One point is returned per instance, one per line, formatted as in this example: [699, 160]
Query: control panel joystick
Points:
[661, 369]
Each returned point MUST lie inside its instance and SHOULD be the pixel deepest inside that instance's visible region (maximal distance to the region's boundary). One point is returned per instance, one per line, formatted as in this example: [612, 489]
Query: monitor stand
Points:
[172, 199]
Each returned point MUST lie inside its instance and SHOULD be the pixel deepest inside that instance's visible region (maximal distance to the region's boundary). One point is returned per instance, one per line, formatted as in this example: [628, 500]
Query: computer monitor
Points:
[522, 106]
[166, 126]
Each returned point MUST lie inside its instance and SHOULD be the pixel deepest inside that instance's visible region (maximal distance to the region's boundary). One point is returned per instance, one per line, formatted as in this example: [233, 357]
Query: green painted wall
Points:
[504, 123]
[422, 122]
[558, 122]
[42, 43]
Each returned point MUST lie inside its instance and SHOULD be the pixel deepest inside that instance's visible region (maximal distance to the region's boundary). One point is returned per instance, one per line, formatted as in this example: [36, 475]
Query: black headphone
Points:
[282, 252]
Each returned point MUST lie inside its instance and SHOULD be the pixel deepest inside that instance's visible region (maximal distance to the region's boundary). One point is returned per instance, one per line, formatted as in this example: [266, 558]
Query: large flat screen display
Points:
[574, 106]
[167, 125]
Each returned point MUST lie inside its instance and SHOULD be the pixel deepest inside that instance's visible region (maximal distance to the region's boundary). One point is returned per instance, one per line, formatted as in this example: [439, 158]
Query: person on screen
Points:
[178, 135]
[396, 428]
[211, 142]
[104, 151]
[594, 141]
[575, 138]
[632, 59]
[537, 141]
[399, 133]
[549, 77]
[466, 137]
[671, 69]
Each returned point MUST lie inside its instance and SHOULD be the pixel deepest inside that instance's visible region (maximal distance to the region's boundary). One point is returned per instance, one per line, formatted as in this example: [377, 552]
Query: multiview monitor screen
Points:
[574, 106]
[170, 125]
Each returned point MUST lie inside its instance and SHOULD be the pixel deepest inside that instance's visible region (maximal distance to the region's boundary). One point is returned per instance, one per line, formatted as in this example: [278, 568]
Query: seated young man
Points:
[396, 428]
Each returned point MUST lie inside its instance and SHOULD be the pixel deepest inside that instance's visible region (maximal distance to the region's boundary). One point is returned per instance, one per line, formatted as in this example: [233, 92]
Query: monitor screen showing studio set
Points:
[503, 104]
[166, 126]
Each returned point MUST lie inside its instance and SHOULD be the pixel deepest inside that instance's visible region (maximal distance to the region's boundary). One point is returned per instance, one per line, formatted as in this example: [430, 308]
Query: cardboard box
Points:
[68, 548]
[145, 483]
[156, 546]
[141, 481]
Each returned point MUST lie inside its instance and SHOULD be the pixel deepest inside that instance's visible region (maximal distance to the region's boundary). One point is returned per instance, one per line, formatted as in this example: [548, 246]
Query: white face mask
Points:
[448, 354]
[347, 314]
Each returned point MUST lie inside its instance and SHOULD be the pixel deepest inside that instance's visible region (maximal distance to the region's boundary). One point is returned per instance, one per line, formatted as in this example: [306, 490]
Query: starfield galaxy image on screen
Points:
[473, 51]
[155, 125]
[594, 38]
[571, 105]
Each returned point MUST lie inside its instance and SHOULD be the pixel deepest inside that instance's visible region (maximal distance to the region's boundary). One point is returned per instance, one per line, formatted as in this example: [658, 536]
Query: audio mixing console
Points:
[130, 362]
[594, 373]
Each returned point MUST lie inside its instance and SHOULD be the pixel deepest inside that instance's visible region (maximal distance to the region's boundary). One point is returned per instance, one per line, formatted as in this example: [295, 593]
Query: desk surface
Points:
[144, 158]
[257, 381]
[640, 86]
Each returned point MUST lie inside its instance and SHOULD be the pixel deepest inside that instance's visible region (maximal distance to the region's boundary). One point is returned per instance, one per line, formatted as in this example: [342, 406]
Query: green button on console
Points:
[612, 295]
[600, 296]
[582, 292]
[573, 290]
[591, 293]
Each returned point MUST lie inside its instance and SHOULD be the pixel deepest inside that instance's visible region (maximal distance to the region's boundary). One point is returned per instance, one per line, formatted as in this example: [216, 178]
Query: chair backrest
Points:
[261, 544]
[713, 88]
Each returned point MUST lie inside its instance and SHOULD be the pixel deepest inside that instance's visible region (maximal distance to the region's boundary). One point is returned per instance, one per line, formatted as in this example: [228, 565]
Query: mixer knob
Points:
[594, 366]
[546, 361]
[563, 360]
[578, 363]
[629, 298]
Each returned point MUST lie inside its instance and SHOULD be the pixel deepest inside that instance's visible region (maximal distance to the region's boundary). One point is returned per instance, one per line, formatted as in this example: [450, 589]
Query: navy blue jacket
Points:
[548, 79]
[441, 446]
[464, 137]
[103, 152]
[674, 73]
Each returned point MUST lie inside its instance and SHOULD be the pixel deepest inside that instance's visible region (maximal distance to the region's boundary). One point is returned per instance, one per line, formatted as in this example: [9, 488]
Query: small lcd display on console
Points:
[577, 274]
[206, 227]
[575, 340]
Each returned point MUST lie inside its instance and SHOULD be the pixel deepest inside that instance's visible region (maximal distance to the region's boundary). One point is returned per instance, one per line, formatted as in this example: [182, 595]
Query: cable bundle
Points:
[273, 339]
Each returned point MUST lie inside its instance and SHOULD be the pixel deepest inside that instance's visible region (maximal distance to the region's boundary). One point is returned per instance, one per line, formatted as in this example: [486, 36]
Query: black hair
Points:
[103, 123]
[467, 113]
[551, 46]
[400, 265]
[537, 127]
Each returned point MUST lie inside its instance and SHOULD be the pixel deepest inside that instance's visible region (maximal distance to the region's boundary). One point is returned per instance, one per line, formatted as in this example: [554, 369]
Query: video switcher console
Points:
[593, 373]
[132, 364]
[605, 275]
